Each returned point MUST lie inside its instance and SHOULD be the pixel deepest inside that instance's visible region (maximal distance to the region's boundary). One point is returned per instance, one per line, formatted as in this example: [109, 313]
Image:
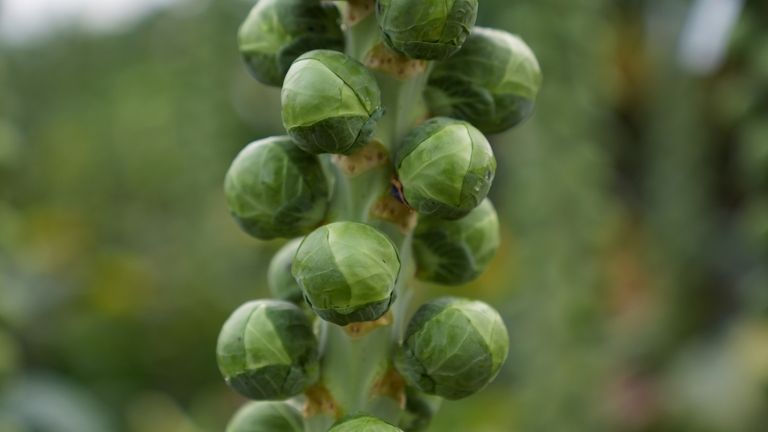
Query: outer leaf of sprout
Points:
[267, 350]
[347, 272]
[454, 252]
[266, 417]
[453, 347]
[276, 32]
[492, 82]
[281, 283]
[446, 167]
[426, 29]
[274, 189]
[330, 103]
[363, 424]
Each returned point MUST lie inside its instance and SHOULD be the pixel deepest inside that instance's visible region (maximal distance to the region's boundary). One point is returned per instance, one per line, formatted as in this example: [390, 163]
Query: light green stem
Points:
[352, 366]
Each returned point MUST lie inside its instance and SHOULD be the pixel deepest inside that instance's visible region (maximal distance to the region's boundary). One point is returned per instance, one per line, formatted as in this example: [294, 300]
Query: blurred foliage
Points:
[633, 272]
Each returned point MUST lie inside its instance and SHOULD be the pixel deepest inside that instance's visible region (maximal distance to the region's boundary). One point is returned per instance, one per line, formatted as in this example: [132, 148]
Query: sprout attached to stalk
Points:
[276, 32]
[453, 347]
[446, 168]
[264, 416]
[267, 350]
[426, 29]
[274, 189]
[281, 283]
[347, 271]
[331, 103]
[363, 424]
[492, 82]
[454, 252]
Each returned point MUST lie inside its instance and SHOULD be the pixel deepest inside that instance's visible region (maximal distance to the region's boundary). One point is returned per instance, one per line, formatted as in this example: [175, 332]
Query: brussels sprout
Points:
[426, 29]
[446, 168]
[276, 32]
[266, 350]
[276, 190]
[331, 103]
[347, 271]
[363, 424]
[453, 347]
[453, 252]
[266, 417]
[492, 82]
[281, 283]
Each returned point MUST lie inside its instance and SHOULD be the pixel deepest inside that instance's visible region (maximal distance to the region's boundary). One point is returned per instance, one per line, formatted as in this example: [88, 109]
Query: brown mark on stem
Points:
[391, 385]
[320, 401]
[358, 330]
[393, 210]
[371, 156]
[358, 10]
[383, 59]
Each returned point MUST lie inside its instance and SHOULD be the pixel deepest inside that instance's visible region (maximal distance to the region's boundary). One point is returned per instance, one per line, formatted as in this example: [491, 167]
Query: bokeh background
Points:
[634, 271]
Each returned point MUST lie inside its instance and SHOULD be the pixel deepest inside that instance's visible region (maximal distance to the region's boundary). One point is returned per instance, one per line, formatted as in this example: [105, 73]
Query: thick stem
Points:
[404, 105]
[353, 367]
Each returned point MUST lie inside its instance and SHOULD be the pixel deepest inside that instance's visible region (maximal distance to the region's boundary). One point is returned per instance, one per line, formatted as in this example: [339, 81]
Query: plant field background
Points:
[633, 274]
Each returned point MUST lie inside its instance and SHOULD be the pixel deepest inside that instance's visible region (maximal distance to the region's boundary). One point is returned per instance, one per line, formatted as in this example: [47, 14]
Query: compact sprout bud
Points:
[266, 350]
[347, 271]
[276, 190]
[331, 103]
[492, 82]
[426, 29]
[453, 347]
[363, 424]
[446, 168]
[453, 252]
[281, 283]
[276, 32]
[266, 417]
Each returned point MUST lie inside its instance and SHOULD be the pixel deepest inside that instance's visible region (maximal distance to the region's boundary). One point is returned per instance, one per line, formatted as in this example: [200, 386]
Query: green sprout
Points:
[267, 350]
[492, 82]
[454, 252]
[276, 190]
[281, 283]
[265, 416]
[276, 32]
[426, 29]
[331, 103]
[347, 272]
[382, 178]
[364, 424]
[453, 347]
[446, 168]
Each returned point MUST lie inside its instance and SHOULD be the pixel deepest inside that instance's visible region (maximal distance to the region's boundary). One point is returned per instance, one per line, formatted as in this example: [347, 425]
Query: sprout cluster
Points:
[492, 82]
[331, 103]
[453, 347]
[364, 424]
[266, 417]
[426, 29]
[347, 271]
[446, 168]
[267, 350]
[276, 32]
[346, 260]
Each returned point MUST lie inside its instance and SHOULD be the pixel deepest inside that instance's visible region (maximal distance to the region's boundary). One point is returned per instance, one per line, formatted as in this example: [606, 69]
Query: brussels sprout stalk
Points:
[351, 383]
[354, 257]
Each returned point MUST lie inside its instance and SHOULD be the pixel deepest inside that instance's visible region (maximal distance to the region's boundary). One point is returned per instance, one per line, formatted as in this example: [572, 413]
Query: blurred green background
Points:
[634, 271]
